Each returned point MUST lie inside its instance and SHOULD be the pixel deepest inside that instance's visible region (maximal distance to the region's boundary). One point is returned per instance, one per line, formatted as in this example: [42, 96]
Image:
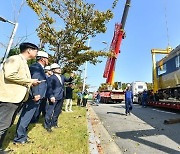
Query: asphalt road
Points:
[142, 132]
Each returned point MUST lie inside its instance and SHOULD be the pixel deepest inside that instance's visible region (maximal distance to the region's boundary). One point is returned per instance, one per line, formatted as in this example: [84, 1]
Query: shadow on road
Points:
[159, 128]
[136, 136]
[116, 113]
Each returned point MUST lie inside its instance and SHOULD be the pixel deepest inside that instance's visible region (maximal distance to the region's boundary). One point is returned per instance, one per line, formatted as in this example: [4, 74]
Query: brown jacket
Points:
[15, 80]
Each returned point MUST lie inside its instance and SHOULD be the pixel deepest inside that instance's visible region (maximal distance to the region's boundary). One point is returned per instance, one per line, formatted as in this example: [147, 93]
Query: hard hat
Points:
[42, 54]
[128, 85]
[55, 65]
[47, 68]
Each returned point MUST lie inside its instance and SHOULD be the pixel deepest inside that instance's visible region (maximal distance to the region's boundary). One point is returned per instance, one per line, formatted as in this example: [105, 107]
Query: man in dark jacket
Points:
[144, 98]
[68, 98]
[85, 98]
[128, 99]
[56, 97]
[42, 107]
[37, 94]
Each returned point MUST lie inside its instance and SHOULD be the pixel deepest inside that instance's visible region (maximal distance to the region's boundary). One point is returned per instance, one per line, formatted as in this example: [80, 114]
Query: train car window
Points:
[162, 69]
[177, 61]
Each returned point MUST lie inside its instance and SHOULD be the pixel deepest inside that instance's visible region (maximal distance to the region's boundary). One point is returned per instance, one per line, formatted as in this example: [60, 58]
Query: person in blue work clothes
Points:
[144, 98]
[55, 97]
[128, 100]
[79, 98]
[37, 94]
[98, 98]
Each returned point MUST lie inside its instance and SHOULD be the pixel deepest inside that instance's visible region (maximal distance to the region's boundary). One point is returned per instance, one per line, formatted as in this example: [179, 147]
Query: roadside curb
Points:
[92, 141]
[100, 141]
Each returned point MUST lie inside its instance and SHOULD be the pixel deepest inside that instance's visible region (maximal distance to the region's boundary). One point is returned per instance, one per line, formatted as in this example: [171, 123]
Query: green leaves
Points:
[14, 51]
[78, 21]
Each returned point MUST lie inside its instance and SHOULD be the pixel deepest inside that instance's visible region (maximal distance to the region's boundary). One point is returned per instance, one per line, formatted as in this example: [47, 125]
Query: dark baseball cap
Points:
[25, 45]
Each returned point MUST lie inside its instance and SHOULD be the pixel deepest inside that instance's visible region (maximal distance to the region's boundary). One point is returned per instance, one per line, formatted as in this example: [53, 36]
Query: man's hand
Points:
[37, 98]
[53, 99]
[35, 82]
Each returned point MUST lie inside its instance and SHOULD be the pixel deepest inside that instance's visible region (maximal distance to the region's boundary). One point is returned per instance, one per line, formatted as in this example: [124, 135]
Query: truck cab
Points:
[137, 87]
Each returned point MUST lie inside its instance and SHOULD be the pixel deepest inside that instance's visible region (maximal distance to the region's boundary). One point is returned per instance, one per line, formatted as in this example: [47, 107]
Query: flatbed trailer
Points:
[171, 104]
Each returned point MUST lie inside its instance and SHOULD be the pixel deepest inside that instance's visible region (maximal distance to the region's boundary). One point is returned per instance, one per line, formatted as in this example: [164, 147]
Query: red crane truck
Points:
[109, 71]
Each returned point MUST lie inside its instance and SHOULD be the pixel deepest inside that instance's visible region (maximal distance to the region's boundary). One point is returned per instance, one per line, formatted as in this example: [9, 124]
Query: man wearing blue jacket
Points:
[42, 108]
[144, 98]
[128, 99]
[37, 94]
[56, 96]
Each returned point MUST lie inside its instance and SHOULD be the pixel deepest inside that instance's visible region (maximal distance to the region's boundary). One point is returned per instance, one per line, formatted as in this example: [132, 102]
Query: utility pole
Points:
[85, 71]
[10, 40]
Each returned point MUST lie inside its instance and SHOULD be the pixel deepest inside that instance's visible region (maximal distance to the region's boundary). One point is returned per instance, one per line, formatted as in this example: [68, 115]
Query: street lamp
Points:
[104, 42]
[107, 45]
[85, 71]
[10, 40]
[2, 19]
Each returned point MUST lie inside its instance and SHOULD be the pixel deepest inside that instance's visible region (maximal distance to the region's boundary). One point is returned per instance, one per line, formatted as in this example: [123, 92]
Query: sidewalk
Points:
[100, 142]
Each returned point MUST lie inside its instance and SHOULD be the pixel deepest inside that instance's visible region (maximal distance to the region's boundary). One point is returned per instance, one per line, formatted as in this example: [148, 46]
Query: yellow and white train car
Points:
[168, 74]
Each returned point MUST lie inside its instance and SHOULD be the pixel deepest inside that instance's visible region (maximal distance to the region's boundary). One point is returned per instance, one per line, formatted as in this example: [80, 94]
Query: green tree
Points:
[103, 86]
[149, 86]
[124, 86]
[79, 21]
[14, 51]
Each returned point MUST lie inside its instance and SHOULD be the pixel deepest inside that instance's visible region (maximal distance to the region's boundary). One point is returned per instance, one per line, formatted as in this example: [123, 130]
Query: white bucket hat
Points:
[55, 65]
[47, 68]
[128, 85]
[42, 54]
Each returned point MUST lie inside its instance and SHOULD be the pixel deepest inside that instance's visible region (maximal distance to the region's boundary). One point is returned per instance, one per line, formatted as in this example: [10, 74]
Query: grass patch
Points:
[70, 138]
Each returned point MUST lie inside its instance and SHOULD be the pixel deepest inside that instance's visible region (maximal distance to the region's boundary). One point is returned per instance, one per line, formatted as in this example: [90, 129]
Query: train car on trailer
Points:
[168, 75]
[167, 81]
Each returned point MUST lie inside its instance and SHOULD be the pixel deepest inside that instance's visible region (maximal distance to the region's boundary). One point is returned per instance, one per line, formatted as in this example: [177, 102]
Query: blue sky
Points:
[145, 29]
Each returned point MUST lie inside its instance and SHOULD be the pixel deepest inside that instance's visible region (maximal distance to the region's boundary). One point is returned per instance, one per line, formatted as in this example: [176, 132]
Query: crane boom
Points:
[119, 34]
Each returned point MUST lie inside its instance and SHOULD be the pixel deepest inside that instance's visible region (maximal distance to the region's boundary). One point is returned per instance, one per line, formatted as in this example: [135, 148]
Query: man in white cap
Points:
[48, 71]
[55, 96]
[42, 108]
[37, 94]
